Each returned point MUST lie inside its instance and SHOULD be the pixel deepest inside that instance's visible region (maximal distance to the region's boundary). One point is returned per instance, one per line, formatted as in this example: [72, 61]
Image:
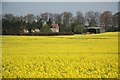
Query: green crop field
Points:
[76, 56]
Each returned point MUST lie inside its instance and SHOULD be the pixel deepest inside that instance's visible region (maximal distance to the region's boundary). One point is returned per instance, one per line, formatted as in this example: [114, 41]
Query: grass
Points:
[76, 56]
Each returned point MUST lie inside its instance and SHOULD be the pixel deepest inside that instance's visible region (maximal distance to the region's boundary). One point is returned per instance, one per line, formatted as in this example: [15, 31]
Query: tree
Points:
[29, 18]
[97, 18]
[90, 18]
[45, 28]
[39, 24]
[116, 19]
[106, 20]
[78, 22]
[8, 17]
[11, 27]
[58, 19]
[44, 16]
[79, 29]
[66, 21]
[50, 16]
[49, 22]
[79, 18]
[0, 24]
[73, 26]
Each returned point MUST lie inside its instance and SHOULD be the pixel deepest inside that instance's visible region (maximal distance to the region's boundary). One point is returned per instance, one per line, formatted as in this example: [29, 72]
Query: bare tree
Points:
[45, 16]
[8, 16]
[66, 18]
[29, 18]
[106, 19]
[90, 18]
[115, 20]
[57, 19]
[79, 18]
[97, 18]
[50, 16]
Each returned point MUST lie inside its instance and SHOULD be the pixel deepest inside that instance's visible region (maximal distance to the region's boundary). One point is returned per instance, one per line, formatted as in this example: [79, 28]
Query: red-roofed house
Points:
[54, 27]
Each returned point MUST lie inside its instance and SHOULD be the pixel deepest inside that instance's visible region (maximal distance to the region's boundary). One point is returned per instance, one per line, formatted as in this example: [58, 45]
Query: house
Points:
[25, 31]
[54, 27]
[94, 30]
[35, 30]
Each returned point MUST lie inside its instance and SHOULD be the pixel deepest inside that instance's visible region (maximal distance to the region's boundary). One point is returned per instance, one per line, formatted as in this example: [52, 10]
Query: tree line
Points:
[67, 22]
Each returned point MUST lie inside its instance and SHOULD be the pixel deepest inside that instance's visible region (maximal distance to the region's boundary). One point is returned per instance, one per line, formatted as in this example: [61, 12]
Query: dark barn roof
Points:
[94, 30]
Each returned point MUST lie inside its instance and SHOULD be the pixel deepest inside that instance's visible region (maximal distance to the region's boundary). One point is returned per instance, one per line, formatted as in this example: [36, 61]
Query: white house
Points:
[25, 31]
[35, 30]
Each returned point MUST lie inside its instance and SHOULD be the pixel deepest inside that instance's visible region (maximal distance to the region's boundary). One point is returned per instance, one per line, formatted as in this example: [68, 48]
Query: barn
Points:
[94, 30]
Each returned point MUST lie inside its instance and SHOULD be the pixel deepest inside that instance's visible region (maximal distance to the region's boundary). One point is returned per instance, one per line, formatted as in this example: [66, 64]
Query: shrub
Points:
[48, 34]
[78, 29]
[45, 28]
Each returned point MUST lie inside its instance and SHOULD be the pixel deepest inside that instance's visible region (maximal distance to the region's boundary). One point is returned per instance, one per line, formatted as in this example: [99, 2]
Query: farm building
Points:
[54, 27]
[94, 30]
[25, 31]
[35, 30]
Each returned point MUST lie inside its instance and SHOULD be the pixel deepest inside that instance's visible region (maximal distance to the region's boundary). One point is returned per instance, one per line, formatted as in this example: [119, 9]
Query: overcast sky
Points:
[60, 0]
[23, 8]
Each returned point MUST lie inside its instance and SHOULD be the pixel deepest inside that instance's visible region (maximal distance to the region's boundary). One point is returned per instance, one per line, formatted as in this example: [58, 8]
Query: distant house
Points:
[25, 31]
[94, 30]
[35, 30]
[54, 27]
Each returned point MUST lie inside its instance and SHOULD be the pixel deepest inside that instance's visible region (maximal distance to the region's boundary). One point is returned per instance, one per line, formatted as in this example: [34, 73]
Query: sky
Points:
[60, 0]
[0, 7]
[23, 8]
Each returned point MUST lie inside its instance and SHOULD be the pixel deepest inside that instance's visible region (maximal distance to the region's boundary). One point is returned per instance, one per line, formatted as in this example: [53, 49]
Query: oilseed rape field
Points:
[74, 56]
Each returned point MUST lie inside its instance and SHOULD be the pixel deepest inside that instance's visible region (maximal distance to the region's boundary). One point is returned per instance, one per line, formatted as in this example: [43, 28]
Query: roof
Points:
[93, 28]
[54, 25]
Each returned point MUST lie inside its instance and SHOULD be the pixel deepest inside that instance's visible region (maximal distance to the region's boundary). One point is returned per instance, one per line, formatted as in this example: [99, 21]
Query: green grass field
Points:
[76, 56]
